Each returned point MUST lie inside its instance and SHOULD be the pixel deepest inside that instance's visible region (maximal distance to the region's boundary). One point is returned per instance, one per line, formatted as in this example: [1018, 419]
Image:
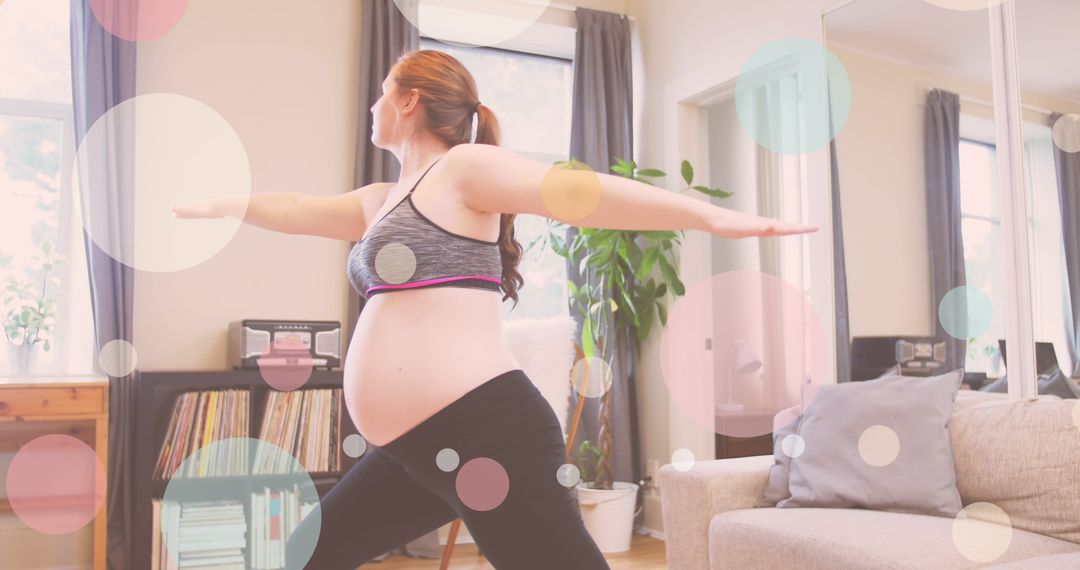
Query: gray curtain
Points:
[102, 76]
[1068, 179]
[945, 241]
[843, 322]
[387, 34]
[601, 131]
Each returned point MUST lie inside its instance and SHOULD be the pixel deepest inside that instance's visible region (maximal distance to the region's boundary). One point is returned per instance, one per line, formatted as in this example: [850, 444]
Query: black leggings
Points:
[397, 492]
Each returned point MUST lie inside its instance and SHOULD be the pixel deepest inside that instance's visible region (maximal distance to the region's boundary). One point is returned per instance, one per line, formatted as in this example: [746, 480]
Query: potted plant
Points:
[29, 311]
[621, 285]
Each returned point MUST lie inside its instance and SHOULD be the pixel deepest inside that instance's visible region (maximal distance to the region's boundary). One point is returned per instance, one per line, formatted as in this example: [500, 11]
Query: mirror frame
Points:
[1019, 328]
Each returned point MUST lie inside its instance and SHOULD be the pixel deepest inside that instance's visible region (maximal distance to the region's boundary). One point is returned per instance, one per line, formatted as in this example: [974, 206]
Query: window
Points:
[981, 223]
[535, 122]
[981, 229]
[36, 154]
[1046, 245]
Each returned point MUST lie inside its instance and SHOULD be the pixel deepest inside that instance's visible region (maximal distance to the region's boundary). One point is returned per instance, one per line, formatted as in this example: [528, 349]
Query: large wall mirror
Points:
[917, 174]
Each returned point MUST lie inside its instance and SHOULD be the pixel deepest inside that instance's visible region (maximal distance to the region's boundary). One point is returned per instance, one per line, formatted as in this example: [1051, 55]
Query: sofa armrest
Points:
[690, 499]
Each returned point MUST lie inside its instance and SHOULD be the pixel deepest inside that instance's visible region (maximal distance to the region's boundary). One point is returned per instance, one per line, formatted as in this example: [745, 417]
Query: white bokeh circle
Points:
[591, 376]
[682, 459]
[118, 358]
[472, 22]
[447, 459]
[395, 263]
[170, 150]
[1066, 133]
[793, 445]
[568, 475]
[982, 532]
[354, 445]
[879, 445]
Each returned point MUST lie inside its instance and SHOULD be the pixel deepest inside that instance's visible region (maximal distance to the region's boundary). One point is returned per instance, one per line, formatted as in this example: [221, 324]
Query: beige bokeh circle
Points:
[395, 263]
[683, 459]
[591, 376]
[118, 358]
[879, 445]
[1066, 133]
[965, 5]
[570, 191]
[169, 150]
[472, 22]
[982, 532]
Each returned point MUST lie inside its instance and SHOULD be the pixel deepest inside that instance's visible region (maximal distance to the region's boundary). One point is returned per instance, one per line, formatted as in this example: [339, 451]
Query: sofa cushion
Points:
[856, 539]
[1024, 457]
[879, 444]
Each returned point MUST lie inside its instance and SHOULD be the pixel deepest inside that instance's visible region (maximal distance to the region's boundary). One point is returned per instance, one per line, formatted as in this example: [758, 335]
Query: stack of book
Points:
[204, 535]
[305, 424]
[275, 515]
[198, 419]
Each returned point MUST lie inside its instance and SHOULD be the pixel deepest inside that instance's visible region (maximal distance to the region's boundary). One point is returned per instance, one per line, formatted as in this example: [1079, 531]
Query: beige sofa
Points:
[710, 521]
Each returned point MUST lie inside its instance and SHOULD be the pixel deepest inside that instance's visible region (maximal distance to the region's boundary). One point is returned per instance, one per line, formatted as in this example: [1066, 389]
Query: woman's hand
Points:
[214, 208]
[742, 226]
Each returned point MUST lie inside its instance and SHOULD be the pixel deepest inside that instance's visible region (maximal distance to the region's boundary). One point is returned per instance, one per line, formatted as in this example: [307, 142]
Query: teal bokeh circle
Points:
[965, 312]
[785, 92]
[265, 466]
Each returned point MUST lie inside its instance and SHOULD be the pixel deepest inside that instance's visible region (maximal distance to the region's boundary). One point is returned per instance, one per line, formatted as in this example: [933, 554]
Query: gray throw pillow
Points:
[785, 424]
[1000, 386]
[880, 444]
[1058, 384]
[787, 444]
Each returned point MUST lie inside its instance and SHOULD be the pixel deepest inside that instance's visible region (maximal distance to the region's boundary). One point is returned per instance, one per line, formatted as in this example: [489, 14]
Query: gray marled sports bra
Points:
[409, 251]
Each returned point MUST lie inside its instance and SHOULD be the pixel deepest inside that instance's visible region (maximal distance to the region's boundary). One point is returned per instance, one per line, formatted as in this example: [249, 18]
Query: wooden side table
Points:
[61, 401]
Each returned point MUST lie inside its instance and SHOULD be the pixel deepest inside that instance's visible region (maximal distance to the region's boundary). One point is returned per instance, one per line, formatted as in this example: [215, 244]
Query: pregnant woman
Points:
[428, 380]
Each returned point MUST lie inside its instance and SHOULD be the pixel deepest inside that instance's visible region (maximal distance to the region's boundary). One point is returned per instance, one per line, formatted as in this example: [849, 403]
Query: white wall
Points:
[285, 76]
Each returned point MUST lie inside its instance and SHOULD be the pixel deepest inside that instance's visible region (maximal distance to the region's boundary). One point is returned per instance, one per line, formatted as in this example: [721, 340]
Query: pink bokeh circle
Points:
[286, 364]
[56, 484]
[740, 347]
[138, 20]
[482, 484]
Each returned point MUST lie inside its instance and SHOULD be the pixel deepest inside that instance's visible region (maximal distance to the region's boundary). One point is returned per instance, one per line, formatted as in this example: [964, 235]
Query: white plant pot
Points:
[609, 514]
[22, 358]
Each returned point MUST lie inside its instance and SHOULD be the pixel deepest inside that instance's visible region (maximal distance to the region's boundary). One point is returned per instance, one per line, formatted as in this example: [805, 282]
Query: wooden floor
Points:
[646, 553]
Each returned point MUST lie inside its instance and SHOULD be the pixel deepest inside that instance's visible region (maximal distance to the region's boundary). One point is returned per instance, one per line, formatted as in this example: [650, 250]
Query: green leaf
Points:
[660, 308]
[646, 264]
[661, 290]
[621, 247]
[652, 173]
[572, 288]
[46, 345]
[687, 172]
[587, 346]
[717, 193]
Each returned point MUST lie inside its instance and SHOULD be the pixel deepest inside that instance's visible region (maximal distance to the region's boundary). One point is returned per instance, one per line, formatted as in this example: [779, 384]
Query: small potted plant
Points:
[28, 309]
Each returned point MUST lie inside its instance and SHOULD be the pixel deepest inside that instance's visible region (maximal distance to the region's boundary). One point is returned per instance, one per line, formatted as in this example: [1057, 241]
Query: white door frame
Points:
[685, 137]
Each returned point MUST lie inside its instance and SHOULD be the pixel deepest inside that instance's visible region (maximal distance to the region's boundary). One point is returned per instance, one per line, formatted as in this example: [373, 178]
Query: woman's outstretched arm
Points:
[336, 216]
[494, 179]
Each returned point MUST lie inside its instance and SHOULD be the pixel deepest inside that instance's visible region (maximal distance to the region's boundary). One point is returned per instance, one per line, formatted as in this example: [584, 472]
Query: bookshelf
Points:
[155, 396]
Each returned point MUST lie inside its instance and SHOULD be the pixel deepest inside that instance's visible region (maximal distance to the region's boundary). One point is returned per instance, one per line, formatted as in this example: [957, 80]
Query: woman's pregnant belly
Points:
[412, 353]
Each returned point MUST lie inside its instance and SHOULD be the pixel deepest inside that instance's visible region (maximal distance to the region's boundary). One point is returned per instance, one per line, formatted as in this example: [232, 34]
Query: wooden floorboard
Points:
[646, 553]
